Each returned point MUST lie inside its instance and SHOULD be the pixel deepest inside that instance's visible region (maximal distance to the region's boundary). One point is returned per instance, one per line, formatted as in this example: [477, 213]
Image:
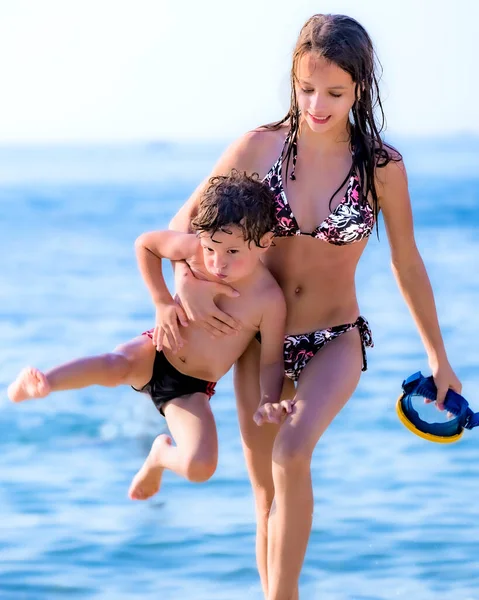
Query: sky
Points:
[134, 70]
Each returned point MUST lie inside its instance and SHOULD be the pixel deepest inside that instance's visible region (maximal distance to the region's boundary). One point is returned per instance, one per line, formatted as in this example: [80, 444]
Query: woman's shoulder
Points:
[258, 149]
[390, 174]
[386, 153]
[267, 134]
[389, 163]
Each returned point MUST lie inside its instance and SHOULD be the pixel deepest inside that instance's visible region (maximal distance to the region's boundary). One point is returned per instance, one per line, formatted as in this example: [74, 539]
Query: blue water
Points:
[395, 517]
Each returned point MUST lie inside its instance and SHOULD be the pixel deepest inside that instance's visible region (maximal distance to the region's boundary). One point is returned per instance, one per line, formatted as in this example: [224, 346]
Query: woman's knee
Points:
[264, 498]
[291, 452]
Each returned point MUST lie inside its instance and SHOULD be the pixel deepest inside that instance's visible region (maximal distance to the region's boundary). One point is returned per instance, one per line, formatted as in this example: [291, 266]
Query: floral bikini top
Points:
[351, 221]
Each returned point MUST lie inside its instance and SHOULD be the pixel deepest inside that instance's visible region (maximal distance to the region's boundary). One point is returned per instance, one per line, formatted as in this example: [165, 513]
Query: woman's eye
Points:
[336, 95]
[233, 251]
[307, 91]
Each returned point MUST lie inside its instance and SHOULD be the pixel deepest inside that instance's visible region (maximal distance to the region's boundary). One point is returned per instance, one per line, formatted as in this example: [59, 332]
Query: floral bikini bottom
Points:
[300, 348]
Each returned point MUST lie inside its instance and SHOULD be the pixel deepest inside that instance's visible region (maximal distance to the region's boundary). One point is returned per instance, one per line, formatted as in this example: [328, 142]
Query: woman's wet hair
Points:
[344, 42]
[236, 199]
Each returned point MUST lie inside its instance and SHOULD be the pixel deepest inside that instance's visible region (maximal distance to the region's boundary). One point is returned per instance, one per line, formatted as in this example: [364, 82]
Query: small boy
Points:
[232, 232]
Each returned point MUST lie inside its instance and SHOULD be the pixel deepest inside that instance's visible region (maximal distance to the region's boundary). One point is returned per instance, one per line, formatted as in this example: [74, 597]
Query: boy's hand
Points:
[273, 412]
[166, 326]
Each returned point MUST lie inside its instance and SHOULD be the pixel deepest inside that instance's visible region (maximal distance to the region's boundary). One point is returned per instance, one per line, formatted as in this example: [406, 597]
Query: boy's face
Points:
[228, 257]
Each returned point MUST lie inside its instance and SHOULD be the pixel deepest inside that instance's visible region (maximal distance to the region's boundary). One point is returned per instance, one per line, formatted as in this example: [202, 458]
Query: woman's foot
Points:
[146, 483]
[31, 383]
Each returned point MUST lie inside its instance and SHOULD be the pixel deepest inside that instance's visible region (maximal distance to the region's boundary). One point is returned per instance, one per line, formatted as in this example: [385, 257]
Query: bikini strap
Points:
[281, 157]
[366, 338]
[295, 157]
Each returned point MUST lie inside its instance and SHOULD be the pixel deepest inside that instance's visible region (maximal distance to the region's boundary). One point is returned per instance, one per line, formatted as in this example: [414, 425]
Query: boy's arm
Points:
[174, 245]
[150, 249]
[272, 330]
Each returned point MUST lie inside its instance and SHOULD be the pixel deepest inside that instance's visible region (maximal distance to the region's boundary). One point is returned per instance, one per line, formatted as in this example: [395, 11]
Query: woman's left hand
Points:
[445, 379]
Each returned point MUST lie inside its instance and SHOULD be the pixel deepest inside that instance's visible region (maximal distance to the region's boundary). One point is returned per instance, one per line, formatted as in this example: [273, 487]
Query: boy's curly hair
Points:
[236, 199]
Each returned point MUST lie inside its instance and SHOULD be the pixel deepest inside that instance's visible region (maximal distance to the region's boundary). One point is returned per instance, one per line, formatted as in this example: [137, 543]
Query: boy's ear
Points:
[267, 240]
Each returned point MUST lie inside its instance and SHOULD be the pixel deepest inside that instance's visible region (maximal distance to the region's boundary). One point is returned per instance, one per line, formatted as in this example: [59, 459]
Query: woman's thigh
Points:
[324, 387]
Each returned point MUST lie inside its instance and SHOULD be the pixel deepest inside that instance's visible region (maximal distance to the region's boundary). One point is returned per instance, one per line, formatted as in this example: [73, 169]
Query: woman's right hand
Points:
[197, 299]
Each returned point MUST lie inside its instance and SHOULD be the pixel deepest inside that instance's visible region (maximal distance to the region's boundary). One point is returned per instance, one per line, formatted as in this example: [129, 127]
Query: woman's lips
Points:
[319, 120]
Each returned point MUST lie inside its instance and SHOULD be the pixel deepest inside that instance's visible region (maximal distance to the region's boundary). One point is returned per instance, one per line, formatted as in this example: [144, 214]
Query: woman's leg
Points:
[324, 387]
[257, 447]
[130, 363]
[195, 454]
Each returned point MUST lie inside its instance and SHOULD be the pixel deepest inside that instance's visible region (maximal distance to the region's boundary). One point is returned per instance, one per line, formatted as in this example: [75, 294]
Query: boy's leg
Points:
[195, 455]
[130, 363]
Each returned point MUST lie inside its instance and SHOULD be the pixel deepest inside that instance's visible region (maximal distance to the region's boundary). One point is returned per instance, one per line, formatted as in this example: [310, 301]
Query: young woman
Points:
[331, 175]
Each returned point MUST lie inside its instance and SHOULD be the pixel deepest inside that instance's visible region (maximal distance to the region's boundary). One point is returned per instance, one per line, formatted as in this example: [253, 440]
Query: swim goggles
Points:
[462, 417]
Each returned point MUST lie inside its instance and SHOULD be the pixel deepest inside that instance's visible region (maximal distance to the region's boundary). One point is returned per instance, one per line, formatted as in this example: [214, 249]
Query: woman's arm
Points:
[243, 155]
[197, 296]
[410, 273]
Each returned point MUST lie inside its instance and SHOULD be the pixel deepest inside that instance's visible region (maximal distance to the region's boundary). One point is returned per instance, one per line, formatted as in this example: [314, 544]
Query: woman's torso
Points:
[318, 246]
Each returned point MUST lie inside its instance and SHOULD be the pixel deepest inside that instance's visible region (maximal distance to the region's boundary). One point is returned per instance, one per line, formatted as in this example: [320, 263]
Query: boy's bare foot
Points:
[146, 483]
[31, 383]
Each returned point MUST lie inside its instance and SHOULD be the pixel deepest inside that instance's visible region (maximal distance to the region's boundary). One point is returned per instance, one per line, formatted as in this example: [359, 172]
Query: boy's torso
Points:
[209, 358]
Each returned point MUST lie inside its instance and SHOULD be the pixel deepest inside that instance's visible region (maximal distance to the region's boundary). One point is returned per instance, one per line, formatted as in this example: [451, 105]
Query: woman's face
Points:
[325, 93]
